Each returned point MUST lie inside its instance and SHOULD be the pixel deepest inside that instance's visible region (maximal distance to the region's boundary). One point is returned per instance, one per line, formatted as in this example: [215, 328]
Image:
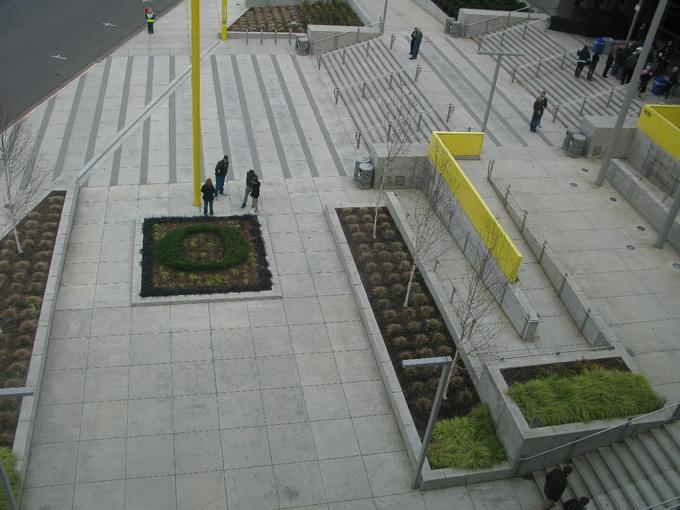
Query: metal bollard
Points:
[526, 25]
[389, 132]
[538, 67]
[368, 46]
[358, 32]
[610, 97]
[540, 257]
[344, 54]
[392, 39]
[363, 90]
[247, 35]
[318, 60]
[489, 169]
[389, 84]
[261, 36]
[514, 72]
[336, 93]
[467, 239]
[564, 56]
[436, 263]
[418, 71]
[524, 220]
[507, 192]
[276, 37]
[453, 293]
[290, 35]
[420, 117]
[449, 112]
[335, 42]
[583, 105]
[357, 135]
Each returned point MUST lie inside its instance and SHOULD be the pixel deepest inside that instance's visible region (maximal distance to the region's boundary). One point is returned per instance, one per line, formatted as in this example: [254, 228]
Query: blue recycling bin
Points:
[598, 45]
[659, 85]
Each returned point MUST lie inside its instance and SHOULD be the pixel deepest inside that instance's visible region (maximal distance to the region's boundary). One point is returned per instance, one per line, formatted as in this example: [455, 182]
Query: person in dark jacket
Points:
[416, 39]
[208, 191]
[628, 68]
[249, 178]
[583, 59]
[619, 59]
[672, 81]
[610, 61]
[255, 193]
[592, 65]
[645, 76]
[221, 170]
[535, 116]
[555, 484]
[576, 504]
[543, 98]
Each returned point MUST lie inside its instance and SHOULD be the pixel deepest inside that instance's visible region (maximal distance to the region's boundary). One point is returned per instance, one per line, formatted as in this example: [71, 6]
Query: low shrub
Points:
[9, 462]
[594, 394]
[468, 442]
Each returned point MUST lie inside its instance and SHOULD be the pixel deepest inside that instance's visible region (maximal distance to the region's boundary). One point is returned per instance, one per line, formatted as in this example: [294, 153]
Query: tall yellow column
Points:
[196, 95]
[224, 35]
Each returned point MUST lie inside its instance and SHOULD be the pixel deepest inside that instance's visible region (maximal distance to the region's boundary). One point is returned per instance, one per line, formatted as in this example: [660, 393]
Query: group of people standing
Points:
[211, 192]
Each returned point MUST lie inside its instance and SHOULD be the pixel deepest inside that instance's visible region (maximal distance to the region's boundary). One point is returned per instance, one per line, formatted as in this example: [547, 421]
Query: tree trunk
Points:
[451, 374]
[375, 221]
[410, 281]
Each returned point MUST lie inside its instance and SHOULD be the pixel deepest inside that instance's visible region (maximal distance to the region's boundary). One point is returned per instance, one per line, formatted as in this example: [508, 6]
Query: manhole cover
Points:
[573, 184]
[585, 170]
[613, 199]
[630, 247]
[640, 228]
[676, 265]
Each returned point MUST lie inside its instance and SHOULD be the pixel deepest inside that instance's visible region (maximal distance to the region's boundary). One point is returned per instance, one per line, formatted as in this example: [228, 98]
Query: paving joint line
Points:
[254, 156]
[146, 130]
[68, 131]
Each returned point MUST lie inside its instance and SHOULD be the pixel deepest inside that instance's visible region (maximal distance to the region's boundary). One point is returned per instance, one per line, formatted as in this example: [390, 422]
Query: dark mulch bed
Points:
[416, 331]
[269, 19]
[565, 369]
[22, 286]
[451, 7]
[160, 280]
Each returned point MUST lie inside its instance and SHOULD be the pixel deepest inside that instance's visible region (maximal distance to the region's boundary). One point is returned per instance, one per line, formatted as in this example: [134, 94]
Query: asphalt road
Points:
[32, 32]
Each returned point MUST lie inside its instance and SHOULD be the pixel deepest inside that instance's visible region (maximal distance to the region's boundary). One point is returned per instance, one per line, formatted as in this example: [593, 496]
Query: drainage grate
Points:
[585, 170]
[630, 247]
[676, 265]
[640, 228]
[613, 199]
[573, 184]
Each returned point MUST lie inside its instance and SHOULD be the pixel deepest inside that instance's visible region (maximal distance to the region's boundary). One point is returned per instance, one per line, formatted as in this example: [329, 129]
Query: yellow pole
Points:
[196, 96]
[225, 35]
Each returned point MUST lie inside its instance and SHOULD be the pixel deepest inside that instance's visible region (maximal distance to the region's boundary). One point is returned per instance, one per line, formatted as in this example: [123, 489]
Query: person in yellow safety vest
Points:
[150, 18]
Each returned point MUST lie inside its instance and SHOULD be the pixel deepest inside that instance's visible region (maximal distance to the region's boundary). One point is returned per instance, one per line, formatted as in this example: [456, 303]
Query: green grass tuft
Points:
[468, 442]
[594, 394]
[9, 461]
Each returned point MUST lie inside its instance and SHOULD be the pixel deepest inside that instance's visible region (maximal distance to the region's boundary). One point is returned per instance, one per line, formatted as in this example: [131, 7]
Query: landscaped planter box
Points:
[522, 441]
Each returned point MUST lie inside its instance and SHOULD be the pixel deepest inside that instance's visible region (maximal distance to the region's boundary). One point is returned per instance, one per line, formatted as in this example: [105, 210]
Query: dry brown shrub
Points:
[444, 350]
[39, 276]
[56, 199]
[378, 247]
[426, 352]
[354, 228]
[416, 389]
[394, 329]
[398, 290]
[457, 381]
[16, 287]
[438, 338]
[400, 343]
[34, 215]
[4, 266]
[28, 244]
[3, 279]
[23, 353]
[426, 311]
[43, 267]
[407, 313]
[50, 225]
[350, 218]
[380, 292]
[21, 265]
[28, 326]
[53, 217]
[394, 277]
[418, 298]
[414, 327]
[371, 267]
[433, 324]
[421, 339]
[387, 267]
[390, 316]
[24, 340]
[31, 234]
[7, 253]
[405, 355]
[465, 398]
[364, 247]
[35, 287]
[375, 279]
[422, 405]
[45, 244]
[55, 208]
[28, 313]
[44, 255]
[9, 314]
[389, 234]
[383, 255]
[34, 301]
[31, 224]
[383, 304]
[366, 218]
[365, 257]
[17, 368]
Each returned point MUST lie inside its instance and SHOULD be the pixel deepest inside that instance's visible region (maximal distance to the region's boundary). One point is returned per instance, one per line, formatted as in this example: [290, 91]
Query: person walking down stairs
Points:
[583, 60]
[416, 39]
[610, 61]
[592, 65]
[645, 76]
[555, 484]
[629, 67]
[576, 503]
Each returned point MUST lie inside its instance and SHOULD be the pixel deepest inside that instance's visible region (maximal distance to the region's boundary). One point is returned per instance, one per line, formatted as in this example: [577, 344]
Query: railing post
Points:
[524, 220]
[389, 84]
[318, 60]
[538, 67]
[418, 71]
[526, 25]
[358, 31]
[557, 109]
[450, 112]
[514, 72]
[344, 53]
[276, 36]
[247, 36]
[335, 42]
[583, 105]
[507, 192]
[389, 132]
[503, 35]
[467, 239]
[261, 36]
[336, 93]
[610, 97]
[420, 117]
[540, 257]
[564, 56]
[507, 20]
[392, 39]
[585, 320]
[363, 90]
[357, 135]
[479, 42]
[486, 26]
[564, 282]
[368, 46]
[290, 35]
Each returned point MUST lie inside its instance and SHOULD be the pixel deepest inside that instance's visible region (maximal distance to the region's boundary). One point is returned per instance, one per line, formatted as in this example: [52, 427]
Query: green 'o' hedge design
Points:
[170, 249]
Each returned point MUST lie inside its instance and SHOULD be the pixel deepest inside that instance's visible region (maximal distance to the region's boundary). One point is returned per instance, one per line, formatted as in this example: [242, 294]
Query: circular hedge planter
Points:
[171, 248]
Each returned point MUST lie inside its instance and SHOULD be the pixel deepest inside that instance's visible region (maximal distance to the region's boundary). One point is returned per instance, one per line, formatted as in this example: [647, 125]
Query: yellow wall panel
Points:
[502, 248]
[662, 124]
[461, 144]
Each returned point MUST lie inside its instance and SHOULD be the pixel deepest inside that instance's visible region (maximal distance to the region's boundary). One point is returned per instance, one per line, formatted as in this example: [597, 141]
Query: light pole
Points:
[447, 364]
[669, 220]
[196, 96]
[638, 8]
[382, 26]
[500, 55]
[632, 89]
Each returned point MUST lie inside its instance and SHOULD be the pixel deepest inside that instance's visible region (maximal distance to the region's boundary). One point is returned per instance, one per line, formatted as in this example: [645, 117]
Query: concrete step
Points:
[650, 468]
[606, 478]
[591, 482]
[662, 460]
[666, 443]
[644, 486]
[622, 478]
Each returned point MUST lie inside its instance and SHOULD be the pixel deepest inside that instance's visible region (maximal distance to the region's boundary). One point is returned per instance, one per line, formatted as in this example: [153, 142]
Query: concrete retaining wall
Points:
[646, 156]
[598, 130]
[326, 38]
[29, 405]
[644, 196]
[434, 10]
[467, 17]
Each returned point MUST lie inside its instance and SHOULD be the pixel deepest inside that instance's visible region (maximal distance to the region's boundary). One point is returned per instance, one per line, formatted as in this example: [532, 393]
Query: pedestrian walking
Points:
[543, 98]
[255, 193]
[610, 61]
[583, 58]
[150, 19]
[416, 39]
[208, 191]
[672, 81]
[645, 76]
[629, 67]
[592, 65]
[536, 116]
[555, 484]
[221, 169]
[661, 63]
[619, 59]
[249, 178]
[576, 504]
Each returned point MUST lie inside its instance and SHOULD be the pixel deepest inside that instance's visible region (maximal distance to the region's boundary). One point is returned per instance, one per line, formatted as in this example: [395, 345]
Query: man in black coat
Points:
[221, 170]
[582, 60]
[592, 65]
[249, 180]
[576, 503]
[555, 484]
[628, 68]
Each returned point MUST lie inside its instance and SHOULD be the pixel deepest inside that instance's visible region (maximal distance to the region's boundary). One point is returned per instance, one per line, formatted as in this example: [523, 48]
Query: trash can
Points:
[571, 131]
[577, 145]
[302, 44]
[360, 161]
[598, 45]
[659, 85]
[364, 178]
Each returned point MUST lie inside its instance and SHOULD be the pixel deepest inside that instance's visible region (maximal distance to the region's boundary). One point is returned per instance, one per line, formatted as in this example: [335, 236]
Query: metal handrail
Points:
[338, 90]
[335, 36]
[624, 424]
[359, 133]
[656, 505]
[585, 99]
[540, 62]
[521, 25]
[486, 20]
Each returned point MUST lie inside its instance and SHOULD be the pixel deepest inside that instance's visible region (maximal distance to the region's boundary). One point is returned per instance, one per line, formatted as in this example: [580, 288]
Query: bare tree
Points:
[431, 239]
[21, 174]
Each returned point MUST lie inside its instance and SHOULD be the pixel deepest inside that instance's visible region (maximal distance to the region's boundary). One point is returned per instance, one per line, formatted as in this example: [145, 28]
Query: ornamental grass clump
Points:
[594, 394]
[468, 442]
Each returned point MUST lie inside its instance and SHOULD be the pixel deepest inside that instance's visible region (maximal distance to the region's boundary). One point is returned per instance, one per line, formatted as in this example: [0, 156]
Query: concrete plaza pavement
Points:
[277, 403]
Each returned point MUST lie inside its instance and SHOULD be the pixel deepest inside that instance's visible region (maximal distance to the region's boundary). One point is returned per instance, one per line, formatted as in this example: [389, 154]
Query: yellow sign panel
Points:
[442, 148]
[662, 124]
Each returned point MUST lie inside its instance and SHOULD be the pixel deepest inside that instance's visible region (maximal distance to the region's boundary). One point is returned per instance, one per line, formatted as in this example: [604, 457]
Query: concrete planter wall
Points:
[434, 10]
[29, 405]
[521, 441]
[468, 17]
[326, 38]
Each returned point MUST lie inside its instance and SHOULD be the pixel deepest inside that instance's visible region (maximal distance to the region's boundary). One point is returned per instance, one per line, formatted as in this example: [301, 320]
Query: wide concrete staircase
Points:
[637, 473]
[381, 95]
[556, 73]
